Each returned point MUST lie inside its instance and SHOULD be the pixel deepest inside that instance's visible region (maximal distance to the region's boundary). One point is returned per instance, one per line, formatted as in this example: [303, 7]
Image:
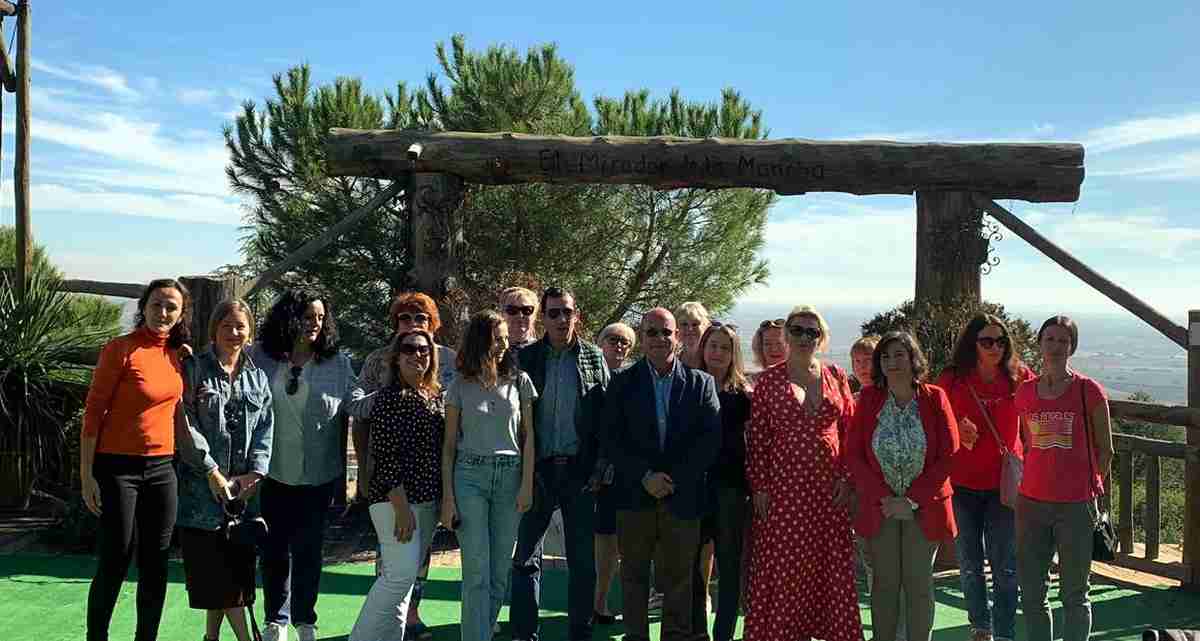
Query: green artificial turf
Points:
[44, 598]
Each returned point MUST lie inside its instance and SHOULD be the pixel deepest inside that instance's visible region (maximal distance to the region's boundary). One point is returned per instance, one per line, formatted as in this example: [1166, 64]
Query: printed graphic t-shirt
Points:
[1056, 453]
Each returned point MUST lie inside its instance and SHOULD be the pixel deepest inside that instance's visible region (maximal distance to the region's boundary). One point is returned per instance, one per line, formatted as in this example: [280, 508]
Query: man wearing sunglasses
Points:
[662, 429]
[570, 376]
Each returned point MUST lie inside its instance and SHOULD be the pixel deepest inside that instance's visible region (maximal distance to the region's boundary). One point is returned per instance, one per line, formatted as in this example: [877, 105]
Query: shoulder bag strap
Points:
[987, 418]
[1087, 438]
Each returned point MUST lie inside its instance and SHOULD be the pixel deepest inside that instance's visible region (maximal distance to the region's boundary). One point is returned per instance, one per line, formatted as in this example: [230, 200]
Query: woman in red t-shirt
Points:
[1068, 448]
[982, 382]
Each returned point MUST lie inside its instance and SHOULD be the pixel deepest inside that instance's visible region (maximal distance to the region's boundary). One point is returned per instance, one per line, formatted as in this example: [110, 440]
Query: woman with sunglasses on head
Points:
[901, 450]
[487, 466]
[225, 446]
[693, 320]
[982, 381]
[298, 351]
[723, 529]
[407, 425]
[126, 452]
[801, 580]
[770, 345]
[520, 308]
[1068, 449]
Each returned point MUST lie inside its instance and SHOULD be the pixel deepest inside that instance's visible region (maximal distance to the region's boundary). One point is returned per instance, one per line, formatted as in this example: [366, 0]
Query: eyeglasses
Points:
[523, 310]
[565, 312]
[294, 382]
[664, 332]
[418, 318]
[617, 341]
[778, 322]
[987, 342]
[409, 349]
[811, 332]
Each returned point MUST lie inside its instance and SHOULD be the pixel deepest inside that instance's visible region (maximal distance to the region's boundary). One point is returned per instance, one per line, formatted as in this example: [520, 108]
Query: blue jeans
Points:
[485, 492]
[578, 511]
[985, 525]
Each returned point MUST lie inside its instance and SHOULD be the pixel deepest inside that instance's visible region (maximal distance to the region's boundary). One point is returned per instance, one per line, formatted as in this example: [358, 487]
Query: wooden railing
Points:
[1127, 447]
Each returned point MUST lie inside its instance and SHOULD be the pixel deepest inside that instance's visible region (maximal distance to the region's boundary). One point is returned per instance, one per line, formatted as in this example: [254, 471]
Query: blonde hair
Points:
[618, 328]
[735, 376]
[692, 309]
[865, 344]
[225, 308]
[756, 343]
[808, 311]
[510, 293]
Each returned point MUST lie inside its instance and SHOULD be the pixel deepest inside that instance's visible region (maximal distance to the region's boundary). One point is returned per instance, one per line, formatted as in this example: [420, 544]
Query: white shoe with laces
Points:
[306, 632]
[275, 632]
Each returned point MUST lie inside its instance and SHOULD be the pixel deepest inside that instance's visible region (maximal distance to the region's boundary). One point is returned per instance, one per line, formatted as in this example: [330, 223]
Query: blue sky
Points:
[129, 100]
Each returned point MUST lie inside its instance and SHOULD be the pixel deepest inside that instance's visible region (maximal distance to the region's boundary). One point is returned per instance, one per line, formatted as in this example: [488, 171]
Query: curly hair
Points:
[181, 333]
[965, 357]
[281, 329]
[418, 301]
[916, 357]
[475, 360]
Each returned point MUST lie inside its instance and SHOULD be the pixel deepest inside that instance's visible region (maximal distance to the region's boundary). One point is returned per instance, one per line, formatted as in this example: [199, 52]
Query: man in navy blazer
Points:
[662, 431]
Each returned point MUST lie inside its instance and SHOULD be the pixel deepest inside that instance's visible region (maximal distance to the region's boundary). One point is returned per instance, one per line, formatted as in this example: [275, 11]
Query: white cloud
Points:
[1140, 131]
[141, 267]
[196, 96]
[93, 75]
[176, 206]
[1183, 166]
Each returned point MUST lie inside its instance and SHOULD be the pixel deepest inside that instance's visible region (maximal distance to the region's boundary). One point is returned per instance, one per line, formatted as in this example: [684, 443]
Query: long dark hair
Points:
[475, 353]
[182, 331]
[965, 357]
[282, 327]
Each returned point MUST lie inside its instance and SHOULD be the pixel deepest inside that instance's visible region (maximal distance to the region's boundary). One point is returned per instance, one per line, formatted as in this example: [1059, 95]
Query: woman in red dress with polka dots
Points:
[801, 582]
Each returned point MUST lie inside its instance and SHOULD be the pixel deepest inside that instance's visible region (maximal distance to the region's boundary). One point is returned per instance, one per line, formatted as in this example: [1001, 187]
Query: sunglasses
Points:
[778, 322]
[987, 342]
[565, 312]
[523, 310]
[617, 341]
[798, 331]
[409, 349]
[655, 333]
[417, 318]
[294, 382]
[732, 326]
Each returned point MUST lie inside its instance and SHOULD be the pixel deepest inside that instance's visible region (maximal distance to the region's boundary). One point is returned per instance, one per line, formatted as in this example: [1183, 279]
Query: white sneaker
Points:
[275, 632]
[306, 632]
[496, 628]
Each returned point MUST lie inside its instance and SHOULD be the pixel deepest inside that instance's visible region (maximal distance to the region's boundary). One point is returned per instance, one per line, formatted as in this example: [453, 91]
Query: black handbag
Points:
[240, 530]
[1104, 536]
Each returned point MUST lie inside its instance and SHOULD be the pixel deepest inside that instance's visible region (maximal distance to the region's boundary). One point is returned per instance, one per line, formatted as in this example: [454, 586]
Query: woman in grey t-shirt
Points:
[487, 466]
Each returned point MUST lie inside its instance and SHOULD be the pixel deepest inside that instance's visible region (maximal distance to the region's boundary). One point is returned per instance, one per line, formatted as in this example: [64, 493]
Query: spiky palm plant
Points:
[43, 337]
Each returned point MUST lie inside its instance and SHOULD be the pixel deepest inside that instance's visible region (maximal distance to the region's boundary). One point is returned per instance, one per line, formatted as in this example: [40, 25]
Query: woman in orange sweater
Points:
[126, 451]
[900, 452]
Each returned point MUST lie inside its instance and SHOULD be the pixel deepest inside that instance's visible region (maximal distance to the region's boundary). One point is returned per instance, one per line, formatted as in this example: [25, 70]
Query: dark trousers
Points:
[728, 529]
[138, 500]
[671, 543]
[291, 553]
[578, 511]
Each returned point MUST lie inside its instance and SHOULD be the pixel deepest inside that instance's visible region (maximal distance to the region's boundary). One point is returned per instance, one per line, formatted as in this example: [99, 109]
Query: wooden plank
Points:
[1116, 293]
[310, 249]
[1177, 571]
[949, 253]
[1191, 531]
[102, 288]
[1155, 413]
[1027, 171]
[1155, 447]
[1125, 518]
[24, 228]
[7, 75]
[1152, 519]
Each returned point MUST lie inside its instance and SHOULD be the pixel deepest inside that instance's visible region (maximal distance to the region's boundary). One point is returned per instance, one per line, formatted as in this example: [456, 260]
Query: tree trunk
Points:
[950, 247]
[437, 247]
[207, 292]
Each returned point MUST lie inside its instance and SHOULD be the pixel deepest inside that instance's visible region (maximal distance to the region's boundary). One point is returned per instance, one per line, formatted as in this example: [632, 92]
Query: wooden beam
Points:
[1125, 518]
[1026, 171]
[1151, 520]
[1155, 447]
[7, 75]
[1176, 571]
[24, 228]
[102, 288]
[310, 249]
[1191, 527]
[1154, 413]
[949, 251]
[1116, 293]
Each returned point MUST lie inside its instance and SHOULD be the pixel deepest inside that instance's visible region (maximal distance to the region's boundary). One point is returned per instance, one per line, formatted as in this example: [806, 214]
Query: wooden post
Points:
[950, 246]
[24, 230]
[437, 242]
[206, 292]
[1191, 528]
[1125, 518]
[1152, 517]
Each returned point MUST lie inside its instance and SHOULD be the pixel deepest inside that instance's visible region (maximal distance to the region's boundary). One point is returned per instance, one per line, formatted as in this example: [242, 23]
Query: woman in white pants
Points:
[407, 422]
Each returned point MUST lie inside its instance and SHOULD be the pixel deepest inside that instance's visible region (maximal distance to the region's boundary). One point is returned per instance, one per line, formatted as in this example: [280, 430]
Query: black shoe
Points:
[603, 619]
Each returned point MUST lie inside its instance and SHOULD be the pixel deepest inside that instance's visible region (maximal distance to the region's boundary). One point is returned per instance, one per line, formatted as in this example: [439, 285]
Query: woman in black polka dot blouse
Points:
[407, 423]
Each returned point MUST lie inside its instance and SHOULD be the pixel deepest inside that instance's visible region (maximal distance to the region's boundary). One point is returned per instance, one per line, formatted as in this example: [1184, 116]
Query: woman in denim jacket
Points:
[225, 447]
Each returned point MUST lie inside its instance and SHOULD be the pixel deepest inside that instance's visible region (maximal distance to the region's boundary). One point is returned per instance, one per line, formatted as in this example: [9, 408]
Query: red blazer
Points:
[931, 489]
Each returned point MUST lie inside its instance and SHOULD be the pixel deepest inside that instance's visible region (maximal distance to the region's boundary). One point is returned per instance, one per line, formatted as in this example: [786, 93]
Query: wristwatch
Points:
[911, 503]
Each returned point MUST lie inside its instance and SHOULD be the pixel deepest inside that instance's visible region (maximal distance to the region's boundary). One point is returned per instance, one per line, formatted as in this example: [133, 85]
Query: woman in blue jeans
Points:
[982, 383]
[487, 466]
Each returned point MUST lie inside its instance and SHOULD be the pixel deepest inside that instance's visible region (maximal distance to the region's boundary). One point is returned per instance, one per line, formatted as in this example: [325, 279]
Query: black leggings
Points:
[137, 505]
